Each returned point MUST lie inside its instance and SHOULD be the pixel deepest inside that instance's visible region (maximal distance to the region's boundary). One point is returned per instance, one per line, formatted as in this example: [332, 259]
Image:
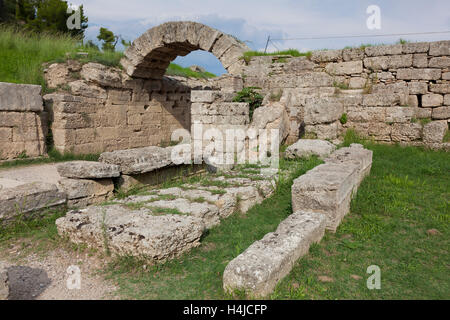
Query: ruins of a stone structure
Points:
[395, 93]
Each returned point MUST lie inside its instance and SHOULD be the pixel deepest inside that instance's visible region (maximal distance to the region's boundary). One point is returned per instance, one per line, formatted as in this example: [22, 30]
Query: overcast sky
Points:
[254, 20]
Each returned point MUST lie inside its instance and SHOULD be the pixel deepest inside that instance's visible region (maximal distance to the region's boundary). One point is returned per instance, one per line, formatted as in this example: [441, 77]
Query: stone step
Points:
[88, 170]
[132, 232]
[259, 268]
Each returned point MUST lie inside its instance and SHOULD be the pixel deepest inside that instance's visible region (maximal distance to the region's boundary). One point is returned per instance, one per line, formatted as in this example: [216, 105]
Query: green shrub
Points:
[250, 96]
[343, 119]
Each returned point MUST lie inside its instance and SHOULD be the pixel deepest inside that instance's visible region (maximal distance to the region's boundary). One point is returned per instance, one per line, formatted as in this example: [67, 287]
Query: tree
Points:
[42, 16]
[109, 39]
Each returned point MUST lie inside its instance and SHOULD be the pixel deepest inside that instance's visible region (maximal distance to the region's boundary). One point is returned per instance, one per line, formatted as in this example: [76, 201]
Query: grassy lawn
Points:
[406, 195]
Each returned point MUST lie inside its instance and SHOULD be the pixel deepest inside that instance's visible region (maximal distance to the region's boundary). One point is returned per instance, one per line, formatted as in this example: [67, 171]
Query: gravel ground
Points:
[44, 277]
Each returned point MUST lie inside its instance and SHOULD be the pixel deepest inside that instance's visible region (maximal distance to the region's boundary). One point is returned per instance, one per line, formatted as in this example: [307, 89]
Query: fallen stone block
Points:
[137, 233]
[434, 132]
[4, 281]
[259, 268]
[136, 161]
[83, 192]
[309, 147]
[88, 170]
[354, 154]
[28, 198]
[326, 189]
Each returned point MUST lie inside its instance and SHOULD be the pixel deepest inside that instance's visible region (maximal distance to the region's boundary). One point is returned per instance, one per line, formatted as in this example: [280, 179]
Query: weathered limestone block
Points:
[440, 48]
[326, 56]
[354, 154]
[83, 192]
[447, 100]
[375, 51]
[300, 64]
[362, 114]
[406, 132]
[434, 132]
[313, 79]
[357, 83]
[324, 131]
[20, 97]
[418, 87]
[88, 170]
[326, 189]
[443, 88]
[432, 100]
[308, 147]
[101, 74]
[446, 76]
[322, 110]
[204, 96]
[141, 160]
[83, 89]
[353, 54]
[439, 62]
[382, 99]
[420, 60]
[136, 233]
[4, 281]
[388, 62]
[441, 113]
[413, 101]
[416, 47]
[259, 268]
[272, 117]
[422, 113]
[399, 114]
[344, 68]
[418, 74]
[27, 198]
[57, 74]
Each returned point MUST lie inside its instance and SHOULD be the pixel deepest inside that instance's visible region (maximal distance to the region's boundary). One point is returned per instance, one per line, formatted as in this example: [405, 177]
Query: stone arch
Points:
[150, 54]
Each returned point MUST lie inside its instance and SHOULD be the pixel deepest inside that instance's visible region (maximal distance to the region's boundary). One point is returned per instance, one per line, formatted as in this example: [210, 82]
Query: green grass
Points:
[406, 195]
[289, 52]
[23, 54]
[176, 70]
[53, 157]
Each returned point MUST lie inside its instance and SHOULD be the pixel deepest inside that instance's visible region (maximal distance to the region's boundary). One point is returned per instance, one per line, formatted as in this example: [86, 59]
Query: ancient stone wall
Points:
[105, 110]
[23, 122]
[394, 93]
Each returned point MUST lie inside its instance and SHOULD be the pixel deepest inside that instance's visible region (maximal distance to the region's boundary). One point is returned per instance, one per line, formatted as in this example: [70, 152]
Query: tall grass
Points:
[22, 54]
[177, 70]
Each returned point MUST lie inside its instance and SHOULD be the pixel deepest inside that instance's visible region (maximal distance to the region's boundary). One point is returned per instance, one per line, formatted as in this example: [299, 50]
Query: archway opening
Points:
[197, 64]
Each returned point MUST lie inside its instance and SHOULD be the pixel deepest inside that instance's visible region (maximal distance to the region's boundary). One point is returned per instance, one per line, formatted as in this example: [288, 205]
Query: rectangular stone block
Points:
[20, 97]
[92, 191]
[204, 96]
[374, 51]
[259, 268]
[441, 113]
[388, 62]
[28, 198]
[443, 88]
[418, 87]
[406, 132]
[420, 60]
[344, 68]
[439, 62]
[440, 48]
[322, 110]
[326, 189]
[432, 100]
[416, 47]
[418, 74]
[399, 114]
[382, 99]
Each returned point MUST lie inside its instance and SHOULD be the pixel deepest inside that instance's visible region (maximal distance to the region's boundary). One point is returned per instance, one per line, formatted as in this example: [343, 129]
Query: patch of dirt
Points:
[45, 277]
[325, 279]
